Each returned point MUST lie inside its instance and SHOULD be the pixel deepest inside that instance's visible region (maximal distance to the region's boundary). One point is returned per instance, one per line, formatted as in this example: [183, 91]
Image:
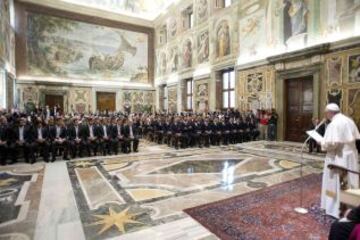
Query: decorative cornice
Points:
[300, 54]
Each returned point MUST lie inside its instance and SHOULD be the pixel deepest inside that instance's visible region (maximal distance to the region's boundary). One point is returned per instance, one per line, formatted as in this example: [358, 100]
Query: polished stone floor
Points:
[138, 196]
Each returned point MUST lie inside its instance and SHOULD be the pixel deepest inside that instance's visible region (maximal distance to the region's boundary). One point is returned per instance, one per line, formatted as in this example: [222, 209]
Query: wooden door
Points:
[53, 100]
[106, 101]
[299, 108]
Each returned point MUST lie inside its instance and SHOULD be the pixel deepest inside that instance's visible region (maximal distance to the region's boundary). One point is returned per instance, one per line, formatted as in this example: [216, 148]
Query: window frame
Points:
[227, 89]
[189, 93]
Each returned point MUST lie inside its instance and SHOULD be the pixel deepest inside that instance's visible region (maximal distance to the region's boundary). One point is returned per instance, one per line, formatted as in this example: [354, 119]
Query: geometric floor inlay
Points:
[137, 196]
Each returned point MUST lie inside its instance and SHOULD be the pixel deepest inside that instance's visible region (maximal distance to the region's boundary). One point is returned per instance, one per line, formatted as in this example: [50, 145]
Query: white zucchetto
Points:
[332, 107]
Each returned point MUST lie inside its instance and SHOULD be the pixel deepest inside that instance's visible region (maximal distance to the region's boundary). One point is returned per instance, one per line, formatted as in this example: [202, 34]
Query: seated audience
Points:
[47, 133]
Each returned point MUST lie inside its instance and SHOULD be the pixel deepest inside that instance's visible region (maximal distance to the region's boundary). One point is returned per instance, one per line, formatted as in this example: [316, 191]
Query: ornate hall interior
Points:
[173, 119]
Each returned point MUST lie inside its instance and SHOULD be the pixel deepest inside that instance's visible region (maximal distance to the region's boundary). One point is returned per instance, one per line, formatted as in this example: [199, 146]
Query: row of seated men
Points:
[48, 139]
[190, 131]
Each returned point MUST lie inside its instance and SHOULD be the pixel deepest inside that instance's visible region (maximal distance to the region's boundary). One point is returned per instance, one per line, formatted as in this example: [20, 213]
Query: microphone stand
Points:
[301, 209]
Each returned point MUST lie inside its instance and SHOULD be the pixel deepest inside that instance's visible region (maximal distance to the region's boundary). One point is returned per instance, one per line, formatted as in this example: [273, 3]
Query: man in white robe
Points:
[339, 144]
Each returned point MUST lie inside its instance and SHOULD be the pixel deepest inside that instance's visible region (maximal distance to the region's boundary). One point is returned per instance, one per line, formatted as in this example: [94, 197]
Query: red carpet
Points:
[267, 214]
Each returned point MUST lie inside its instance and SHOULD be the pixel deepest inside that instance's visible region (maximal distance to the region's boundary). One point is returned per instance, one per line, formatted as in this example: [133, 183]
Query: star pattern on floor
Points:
[118, 219]
[7, 182]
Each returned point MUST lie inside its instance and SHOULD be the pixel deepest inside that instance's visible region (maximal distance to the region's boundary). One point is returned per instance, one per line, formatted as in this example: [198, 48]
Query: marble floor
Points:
[138, 196]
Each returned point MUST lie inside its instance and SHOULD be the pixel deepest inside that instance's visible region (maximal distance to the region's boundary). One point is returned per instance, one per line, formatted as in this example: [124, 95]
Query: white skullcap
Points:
[332, 107]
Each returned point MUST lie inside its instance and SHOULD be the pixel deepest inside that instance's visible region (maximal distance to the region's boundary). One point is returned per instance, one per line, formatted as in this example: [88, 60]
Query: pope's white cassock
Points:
[340, 145]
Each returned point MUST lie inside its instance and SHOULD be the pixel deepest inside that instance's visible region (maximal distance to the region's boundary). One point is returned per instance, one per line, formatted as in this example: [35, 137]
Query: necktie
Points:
[76, 131]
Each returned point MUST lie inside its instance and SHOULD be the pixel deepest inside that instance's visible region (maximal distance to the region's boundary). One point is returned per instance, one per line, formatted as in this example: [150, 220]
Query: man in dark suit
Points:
[103, 132]
[117, 135]
[89, 136]
[217, 130]
[131, 136]
[22, 137]
[4, 148]
[76, 143]
[177, 134]
[58, 135]
[207, 132]
[42, 139]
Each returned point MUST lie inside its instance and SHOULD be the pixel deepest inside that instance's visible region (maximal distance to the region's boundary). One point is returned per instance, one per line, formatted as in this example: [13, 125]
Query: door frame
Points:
[286, 99]
[105, 91]
[57, 92]
[280, 78]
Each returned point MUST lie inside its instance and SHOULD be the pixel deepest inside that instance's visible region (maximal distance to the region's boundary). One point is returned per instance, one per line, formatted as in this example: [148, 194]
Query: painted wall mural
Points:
[295, 21]
[202, 10]
[172, 99]
[138, 100]
[60, 47]
[223, 39]
[172, 27]
[187, 54]
[203, 47]
[354, 69]
[334, 67]
[173, 59]
[7, 37]
[202, 97]
[252, 27]
[140, 8]
[354, 103]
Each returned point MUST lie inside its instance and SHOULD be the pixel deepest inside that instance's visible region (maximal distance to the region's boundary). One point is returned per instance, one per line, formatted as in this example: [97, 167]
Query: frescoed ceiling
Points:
[145, 9]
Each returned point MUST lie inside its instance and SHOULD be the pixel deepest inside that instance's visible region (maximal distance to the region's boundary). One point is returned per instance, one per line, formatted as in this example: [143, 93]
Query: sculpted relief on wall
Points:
[59, 47]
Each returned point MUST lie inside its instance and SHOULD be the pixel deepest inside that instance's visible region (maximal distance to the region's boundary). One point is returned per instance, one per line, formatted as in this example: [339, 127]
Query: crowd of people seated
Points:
[48, 133]
[202, 130]
[37, 135]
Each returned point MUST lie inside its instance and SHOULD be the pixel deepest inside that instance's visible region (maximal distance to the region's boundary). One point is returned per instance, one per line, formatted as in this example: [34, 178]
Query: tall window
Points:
[228, 88]
[189, 94]
[165, 100]
[227, 3]
[223, 3]
[2, 89]
[163, 35]
[188, 17]
[191, 19]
